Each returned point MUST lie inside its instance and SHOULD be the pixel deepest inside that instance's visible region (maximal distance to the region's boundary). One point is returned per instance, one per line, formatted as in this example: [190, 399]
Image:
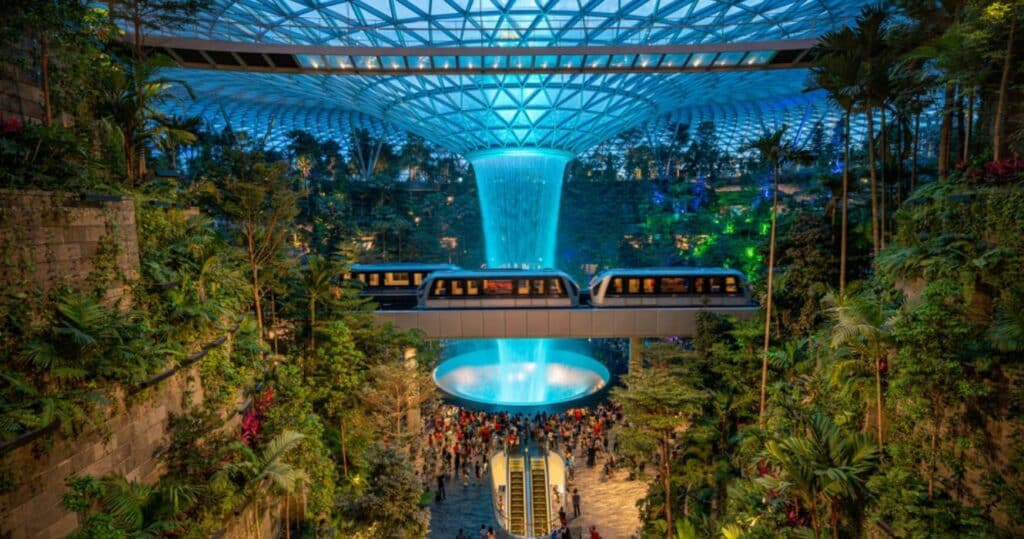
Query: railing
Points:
[32, 435]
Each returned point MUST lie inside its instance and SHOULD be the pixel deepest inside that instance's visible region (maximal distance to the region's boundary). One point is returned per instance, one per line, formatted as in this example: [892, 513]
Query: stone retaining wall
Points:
[49, 239]
[130, 442]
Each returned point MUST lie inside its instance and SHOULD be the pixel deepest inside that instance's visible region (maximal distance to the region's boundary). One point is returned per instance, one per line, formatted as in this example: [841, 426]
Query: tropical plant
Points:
[863, 323]
[825, 468]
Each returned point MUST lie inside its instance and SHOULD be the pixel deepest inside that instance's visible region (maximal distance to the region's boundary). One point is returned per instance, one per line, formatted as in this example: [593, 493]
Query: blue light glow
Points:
[520, 193]
[561, 375]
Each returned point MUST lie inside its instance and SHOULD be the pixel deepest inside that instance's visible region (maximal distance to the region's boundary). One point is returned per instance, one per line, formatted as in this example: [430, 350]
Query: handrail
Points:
[188, 361]
[30, 436]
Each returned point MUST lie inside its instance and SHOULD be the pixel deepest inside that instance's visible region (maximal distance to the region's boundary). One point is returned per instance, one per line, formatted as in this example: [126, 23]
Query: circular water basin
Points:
[557, 376]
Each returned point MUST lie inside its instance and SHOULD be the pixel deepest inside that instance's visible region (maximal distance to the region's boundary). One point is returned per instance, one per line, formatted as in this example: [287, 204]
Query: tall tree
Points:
[261, 204]
[660, 403]
[837, 70]
[775, 152]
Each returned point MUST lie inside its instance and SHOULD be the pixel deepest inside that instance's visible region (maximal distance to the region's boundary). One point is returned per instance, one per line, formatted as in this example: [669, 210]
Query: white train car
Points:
[494, 289]
[393, 285]
[669, 287]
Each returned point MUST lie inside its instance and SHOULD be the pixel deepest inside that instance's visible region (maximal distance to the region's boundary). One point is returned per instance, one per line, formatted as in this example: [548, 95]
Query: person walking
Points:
[483, 532]
[575, 503]
[460, 535]
[440, 487]
[593, 533]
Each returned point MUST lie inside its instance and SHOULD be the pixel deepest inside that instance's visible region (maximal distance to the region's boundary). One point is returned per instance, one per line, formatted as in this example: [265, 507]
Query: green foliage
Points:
[389, 503]
[113, 506]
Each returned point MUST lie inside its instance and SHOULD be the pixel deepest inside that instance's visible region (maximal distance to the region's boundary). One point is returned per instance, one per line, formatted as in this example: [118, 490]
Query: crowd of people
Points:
[458, 444]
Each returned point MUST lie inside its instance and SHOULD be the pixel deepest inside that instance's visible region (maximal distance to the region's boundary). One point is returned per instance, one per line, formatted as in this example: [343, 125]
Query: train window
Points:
[396, 278]
[675, 285]
[617, 285]
[555, 288]
[698, 286]
[648, 285]
[361, 277]
[716, 284]
[497, 287]
[731, 286]
[457, 287]
[523, 287]
[537, 287]
[634, 285]
[472, 287]
[441, 287]
[374, 279]
[417, 278]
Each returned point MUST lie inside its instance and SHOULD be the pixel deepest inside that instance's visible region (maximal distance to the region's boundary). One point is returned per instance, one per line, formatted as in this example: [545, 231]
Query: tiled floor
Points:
[608, 504]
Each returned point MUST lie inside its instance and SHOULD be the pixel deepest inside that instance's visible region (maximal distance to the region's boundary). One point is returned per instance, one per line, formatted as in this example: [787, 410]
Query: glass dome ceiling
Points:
[471, 111]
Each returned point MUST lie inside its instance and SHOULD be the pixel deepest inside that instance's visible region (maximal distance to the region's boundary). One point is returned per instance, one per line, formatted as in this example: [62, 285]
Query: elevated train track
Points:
[569, 323]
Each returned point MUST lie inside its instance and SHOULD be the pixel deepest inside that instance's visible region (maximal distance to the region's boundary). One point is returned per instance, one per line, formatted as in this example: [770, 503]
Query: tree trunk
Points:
[945, 132]
[665, 469]
[846, 186]
[1004, 88]
[878, 396]
[874, 178]
[344, 454]
[312, 324]
[44, 68]
[287, 520]
[936, 428]
[814, 518]
[969, 125]
[884, 192]
[768, 303]
[835, 519]
[254, 267]
[913, 153]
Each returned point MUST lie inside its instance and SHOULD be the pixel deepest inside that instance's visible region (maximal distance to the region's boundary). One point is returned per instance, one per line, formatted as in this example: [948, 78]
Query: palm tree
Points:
[776, 152]
[862, 323]
[871, 51]
[317, 282]
[838, 71]
[267, 473]
[131, 98]
[171, 132]
[825, 468]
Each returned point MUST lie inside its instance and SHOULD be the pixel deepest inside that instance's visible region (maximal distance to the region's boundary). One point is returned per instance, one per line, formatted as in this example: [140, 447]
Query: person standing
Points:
[575, 503]
[440, 487]
[463, 536]
[593, 533]
[483, 532]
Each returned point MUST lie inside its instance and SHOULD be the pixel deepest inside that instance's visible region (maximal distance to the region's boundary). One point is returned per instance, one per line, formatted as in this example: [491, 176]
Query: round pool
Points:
[522, 378]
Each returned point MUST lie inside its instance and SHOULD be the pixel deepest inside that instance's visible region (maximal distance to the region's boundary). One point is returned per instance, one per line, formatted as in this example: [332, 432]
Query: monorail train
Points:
[393, 285]
[498, 288]
[669, 287]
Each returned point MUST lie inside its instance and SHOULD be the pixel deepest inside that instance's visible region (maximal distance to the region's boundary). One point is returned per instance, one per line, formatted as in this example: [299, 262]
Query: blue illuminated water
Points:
[550, 375]
[520, 193]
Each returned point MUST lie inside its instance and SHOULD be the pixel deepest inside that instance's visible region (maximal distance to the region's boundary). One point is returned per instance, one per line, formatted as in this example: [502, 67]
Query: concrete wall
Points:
[48, 239]
[129, 442]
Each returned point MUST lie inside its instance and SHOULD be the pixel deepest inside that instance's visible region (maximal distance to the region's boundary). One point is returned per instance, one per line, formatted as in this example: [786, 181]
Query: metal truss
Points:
[465, 112]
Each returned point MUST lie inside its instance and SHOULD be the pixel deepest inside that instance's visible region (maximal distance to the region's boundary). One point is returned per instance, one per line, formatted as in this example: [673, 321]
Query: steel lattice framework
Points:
[468, 112]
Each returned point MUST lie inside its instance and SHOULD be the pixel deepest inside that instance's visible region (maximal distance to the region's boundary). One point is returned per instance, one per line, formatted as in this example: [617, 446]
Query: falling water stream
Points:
[520, 194]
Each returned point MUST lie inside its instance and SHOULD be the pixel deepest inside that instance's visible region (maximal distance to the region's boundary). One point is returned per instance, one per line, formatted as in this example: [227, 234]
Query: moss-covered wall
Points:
[52, 239]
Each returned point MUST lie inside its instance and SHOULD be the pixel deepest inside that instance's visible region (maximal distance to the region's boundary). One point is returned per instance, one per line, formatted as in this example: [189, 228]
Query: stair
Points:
[517, 496]
[539, 497]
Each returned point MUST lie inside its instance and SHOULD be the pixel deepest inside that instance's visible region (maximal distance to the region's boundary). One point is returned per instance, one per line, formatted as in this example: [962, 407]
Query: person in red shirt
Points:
[593, 533]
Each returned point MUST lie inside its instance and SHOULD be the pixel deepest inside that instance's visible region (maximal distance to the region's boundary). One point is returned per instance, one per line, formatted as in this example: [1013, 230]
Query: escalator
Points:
[539, 505]
[516, 496]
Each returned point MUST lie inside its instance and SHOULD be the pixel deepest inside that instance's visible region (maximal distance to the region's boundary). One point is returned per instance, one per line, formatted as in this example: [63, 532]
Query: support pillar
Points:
[414, 423]
[636, 359]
